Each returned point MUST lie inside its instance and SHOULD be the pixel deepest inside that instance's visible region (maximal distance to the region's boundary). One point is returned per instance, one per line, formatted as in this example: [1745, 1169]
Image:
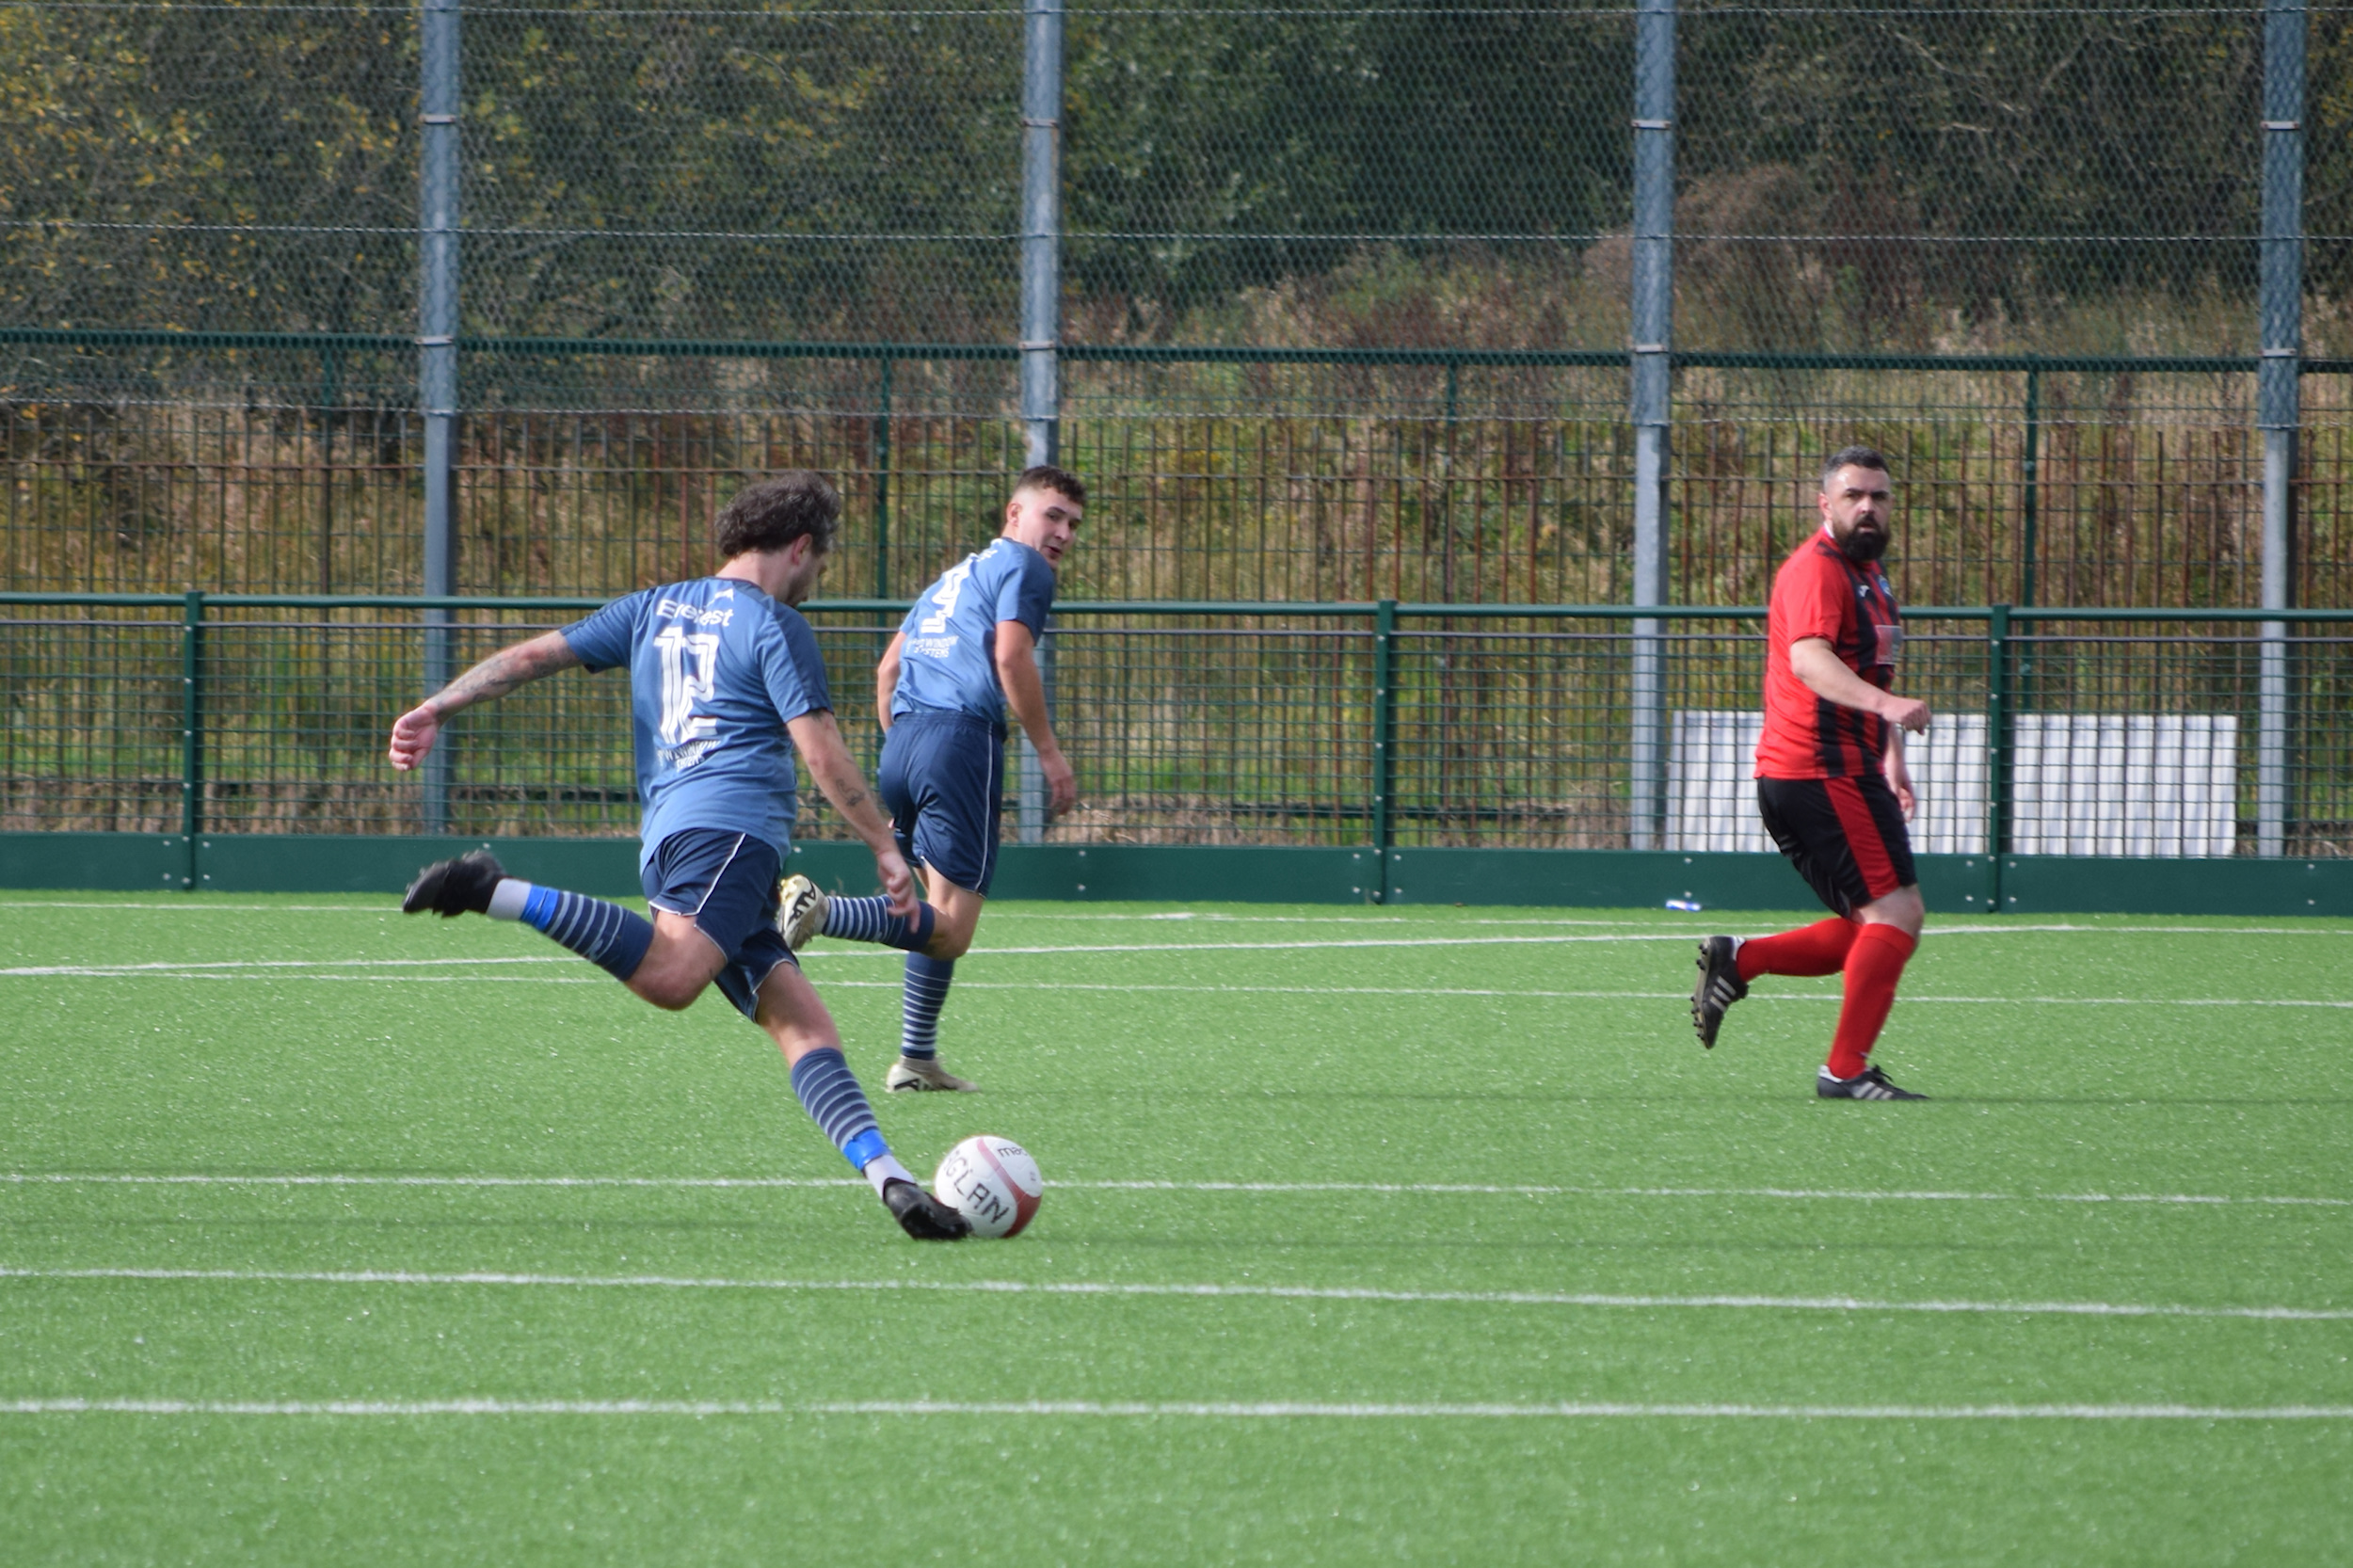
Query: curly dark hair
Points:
[1046, 477]
[778, 510]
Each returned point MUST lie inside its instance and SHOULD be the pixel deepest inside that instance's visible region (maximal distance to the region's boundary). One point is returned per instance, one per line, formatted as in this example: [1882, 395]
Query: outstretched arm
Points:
[501, 673]
[837, 772]
[1025, 694]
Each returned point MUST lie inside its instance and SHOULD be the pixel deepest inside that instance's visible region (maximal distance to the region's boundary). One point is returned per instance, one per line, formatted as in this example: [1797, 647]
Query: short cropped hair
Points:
[1851, 456]
[1046, 477]
[780, 508]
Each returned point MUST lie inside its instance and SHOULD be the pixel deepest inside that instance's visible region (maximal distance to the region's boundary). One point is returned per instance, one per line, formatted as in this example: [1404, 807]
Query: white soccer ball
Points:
[993, 1183]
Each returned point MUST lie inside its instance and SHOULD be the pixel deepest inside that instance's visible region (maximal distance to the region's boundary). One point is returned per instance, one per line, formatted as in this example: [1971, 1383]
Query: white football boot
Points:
[800, 910]
[908, 1076]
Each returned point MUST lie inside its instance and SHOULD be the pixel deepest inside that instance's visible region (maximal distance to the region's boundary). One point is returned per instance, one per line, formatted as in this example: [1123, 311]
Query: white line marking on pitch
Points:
[852, 951]
[1691, 929]
[199, 967]
[1590, 996]
[857, 950]
[1203, 1410]
[1269, 1292]
[1428, 1187]
[379, 909]
[286, 968]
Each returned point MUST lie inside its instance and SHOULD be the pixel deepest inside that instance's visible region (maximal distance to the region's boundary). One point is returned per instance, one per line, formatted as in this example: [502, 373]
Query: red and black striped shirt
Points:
[1819, 593]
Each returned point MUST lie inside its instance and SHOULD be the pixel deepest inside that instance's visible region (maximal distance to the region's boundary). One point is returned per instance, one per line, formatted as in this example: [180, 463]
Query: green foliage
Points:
[1850, 177]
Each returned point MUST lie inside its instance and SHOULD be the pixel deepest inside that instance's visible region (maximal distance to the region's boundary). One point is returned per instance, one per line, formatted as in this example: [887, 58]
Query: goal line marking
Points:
[1195, 1292]
[1186, 1410]
[1471, 1189]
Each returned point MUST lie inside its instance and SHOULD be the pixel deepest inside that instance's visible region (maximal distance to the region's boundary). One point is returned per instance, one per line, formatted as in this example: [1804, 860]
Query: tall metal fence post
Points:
[2277, 394]
[1999, 748]
[1383, 742]
[882, 484]
[1651, 374]
[437, 359]
[192, 734]
[2030, 488]
[1041, 230]
[1041, 311]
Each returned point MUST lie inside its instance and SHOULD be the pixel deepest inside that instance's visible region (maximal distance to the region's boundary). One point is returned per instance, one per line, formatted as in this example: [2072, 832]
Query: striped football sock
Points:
[830, 1094]
[919, 1003]
[605, 934]
[869, 919]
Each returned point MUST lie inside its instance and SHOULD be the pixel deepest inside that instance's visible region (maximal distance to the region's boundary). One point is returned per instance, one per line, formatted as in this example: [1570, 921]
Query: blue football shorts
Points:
[726, 884]
[942, 776]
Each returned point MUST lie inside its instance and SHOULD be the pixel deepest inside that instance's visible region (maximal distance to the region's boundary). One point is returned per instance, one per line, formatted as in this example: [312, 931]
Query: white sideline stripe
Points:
[1433, 1187]
[279, 969]
[858, 950]
[1590, 996]
[214, 908]
[198, 967]
[1270, 1292]
[1213, 990]
[1647, 935]
[1122, 1410]
[1213, 917]
[1691, 928]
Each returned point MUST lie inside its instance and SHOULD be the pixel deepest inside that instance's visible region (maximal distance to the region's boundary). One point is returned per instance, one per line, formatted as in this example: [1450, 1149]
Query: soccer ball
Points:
[992, 1182]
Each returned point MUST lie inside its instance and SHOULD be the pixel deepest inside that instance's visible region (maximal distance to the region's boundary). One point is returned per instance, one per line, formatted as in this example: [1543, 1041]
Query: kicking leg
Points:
[925, 992]
[797, 1019]
[806, 910]
[666, 961]
[605, 934]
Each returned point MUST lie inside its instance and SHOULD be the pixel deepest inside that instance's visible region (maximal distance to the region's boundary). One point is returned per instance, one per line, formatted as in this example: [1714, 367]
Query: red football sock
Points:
[1874, 965]
[1816, 949]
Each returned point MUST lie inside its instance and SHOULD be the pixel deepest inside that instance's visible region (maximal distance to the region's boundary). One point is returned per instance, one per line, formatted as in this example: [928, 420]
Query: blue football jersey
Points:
[948, 661]
[717, 669]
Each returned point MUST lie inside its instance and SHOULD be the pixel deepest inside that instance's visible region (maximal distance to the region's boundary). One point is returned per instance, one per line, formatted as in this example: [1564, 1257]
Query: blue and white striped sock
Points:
[925, 994]
[869, 919]
[605, 934]
[830, 1094]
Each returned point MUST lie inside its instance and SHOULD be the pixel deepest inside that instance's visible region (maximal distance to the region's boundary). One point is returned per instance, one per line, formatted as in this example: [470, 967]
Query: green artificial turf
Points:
[1421, 1236]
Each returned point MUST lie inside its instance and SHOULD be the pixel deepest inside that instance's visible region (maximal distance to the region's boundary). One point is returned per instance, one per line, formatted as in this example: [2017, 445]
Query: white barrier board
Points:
[2146, 785]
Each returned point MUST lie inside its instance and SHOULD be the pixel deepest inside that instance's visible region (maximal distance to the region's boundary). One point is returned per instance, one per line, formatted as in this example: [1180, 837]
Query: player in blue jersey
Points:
[964, 655]
[724, 682]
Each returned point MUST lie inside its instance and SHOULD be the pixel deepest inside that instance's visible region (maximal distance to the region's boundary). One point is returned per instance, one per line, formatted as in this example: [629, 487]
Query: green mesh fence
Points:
[1343, 314]
[1213, 726]
[667, 213]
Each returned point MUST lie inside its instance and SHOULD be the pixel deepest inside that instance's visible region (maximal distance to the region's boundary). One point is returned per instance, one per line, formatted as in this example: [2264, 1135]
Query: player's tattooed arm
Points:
[506, 669]
[819, 739]
[414, 731]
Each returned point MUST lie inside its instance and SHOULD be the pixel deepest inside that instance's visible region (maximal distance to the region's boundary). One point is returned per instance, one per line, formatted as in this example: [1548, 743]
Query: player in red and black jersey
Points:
[1831, 780]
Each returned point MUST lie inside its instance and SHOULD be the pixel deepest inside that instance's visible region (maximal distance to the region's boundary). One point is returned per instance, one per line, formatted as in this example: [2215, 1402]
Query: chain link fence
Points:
[653, 200]
[1318, 725]
[1341, 304]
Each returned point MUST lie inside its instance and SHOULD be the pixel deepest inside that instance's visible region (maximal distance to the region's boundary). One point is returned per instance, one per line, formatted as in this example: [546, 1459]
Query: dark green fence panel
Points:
[2060, 732]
